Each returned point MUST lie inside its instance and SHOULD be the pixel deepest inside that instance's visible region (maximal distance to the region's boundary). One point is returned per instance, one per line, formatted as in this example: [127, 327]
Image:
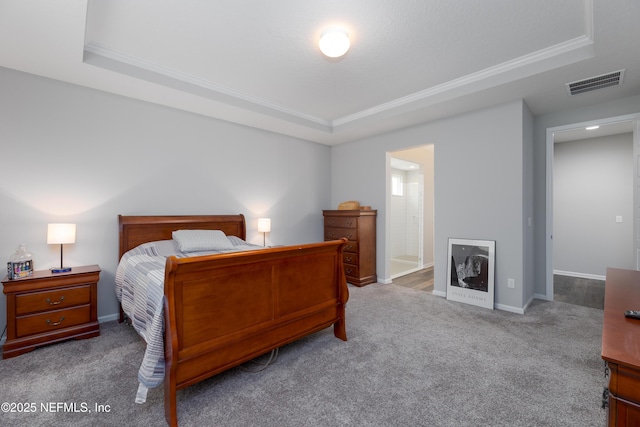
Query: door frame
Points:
[387, 218]
[549, 188]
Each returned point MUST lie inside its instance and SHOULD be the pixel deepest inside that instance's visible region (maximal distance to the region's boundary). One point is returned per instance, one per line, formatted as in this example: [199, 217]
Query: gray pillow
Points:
[201, 240]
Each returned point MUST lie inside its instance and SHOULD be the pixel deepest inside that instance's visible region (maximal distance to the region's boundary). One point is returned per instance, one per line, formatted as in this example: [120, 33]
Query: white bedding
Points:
[139, 287]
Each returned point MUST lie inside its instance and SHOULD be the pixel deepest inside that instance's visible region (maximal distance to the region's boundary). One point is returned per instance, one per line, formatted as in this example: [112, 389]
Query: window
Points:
[397, 185]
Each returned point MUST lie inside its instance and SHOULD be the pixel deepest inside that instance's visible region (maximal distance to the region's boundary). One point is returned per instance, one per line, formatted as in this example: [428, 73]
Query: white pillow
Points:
[201, 240]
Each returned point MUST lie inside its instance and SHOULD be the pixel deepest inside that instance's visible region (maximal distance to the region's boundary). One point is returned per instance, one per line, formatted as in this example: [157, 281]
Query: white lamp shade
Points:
[264, 225]
[61, 234]
[334, 42]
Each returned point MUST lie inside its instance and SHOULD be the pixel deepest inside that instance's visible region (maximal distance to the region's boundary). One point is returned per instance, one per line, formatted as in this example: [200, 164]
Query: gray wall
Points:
[592, 184]
[71, 154]
[621, 107]
[478, 178]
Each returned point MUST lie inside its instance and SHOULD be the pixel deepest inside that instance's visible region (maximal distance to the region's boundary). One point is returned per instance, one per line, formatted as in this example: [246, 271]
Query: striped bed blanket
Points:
[139, 286]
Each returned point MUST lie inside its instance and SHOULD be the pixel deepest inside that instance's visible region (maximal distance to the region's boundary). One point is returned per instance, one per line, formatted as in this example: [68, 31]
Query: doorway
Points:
[556, 242]
[410, 203]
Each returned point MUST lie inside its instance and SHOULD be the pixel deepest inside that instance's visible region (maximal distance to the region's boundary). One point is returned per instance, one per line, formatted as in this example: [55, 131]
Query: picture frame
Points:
[470, 276]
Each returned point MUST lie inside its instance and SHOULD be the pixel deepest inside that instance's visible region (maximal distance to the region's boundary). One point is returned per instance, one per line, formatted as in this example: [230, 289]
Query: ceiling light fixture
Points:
[334, 42]
[592, 127]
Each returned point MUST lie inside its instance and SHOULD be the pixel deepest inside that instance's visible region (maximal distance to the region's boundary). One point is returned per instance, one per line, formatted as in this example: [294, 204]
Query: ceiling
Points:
[257, 63]
[404, 165]
[614, 128]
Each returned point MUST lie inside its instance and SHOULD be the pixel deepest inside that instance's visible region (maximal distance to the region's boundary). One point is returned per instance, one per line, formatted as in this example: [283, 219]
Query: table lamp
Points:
[61, 234]
[264, 226]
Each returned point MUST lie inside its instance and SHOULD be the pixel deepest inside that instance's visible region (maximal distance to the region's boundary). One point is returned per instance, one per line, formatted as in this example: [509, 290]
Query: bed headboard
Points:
[135, 230]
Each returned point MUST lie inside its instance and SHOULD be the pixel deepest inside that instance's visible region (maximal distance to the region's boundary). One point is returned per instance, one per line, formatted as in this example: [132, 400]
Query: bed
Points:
[220, 310]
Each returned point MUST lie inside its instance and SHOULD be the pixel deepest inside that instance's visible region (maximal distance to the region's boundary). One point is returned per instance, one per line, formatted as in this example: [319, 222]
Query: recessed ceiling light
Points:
[334, 42]
[592, 127]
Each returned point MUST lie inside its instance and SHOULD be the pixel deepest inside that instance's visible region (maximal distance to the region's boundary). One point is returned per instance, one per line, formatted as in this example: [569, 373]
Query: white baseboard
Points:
[503, 307]
[526, 306]
[509, 308]
[579, 275]
[109, 318]
[542, 297]
[404, 261]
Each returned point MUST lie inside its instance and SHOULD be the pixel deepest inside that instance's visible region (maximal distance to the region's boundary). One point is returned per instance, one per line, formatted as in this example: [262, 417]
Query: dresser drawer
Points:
[351, 246]
[350, 258]
[342, 222]
[52, 300]
[351, 270]
[338, 233]
[52, 320]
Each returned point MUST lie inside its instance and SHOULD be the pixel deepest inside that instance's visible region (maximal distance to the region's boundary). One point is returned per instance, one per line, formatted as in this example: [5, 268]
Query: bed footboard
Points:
[223, 310]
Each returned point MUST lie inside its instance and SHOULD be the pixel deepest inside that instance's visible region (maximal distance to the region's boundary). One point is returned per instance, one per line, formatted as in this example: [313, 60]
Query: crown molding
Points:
[574, 50]
[137, 67]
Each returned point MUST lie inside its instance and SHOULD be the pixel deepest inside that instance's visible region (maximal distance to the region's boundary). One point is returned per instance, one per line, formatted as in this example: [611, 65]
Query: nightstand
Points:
[46, 308]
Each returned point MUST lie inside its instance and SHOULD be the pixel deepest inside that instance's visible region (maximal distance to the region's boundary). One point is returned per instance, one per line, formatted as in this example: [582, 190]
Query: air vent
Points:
[594, 83]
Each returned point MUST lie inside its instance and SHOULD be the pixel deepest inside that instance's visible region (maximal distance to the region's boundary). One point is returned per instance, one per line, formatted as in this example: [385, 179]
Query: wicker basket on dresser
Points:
[359, 226]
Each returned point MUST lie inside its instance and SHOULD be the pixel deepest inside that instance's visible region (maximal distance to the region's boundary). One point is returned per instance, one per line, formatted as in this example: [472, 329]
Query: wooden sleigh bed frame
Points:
[224, 310]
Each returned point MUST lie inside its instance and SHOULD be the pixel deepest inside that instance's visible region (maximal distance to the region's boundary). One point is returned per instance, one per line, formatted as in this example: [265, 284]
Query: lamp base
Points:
[60, 269]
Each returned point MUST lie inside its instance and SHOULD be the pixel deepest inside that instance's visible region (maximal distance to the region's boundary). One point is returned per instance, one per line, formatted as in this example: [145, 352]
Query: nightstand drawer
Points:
[52, 320]
[345, 222]
[338, 233]
[52, 300]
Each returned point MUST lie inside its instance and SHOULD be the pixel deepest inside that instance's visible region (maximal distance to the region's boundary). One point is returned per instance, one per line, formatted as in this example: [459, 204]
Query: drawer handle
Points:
[349, 247]
[330, 234]
[348, 259]
[348, 271]
[50, 323]
[55, 302]
[349, 236]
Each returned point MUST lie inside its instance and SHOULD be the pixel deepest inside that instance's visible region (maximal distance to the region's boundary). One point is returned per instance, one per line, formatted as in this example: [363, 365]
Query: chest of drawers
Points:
[620, 350]
[50, 307]
[359, 256]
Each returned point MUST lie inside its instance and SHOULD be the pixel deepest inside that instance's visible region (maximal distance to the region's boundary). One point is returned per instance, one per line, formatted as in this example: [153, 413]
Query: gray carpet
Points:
[412, 359]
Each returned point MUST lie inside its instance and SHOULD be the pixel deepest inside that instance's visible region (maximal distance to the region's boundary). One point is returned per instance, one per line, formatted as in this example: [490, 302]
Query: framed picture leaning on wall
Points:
[470, 276]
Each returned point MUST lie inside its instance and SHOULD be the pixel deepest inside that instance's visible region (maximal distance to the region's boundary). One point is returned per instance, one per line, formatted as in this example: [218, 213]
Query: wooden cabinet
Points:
[620, 350]
[50, 307]
[359, 256]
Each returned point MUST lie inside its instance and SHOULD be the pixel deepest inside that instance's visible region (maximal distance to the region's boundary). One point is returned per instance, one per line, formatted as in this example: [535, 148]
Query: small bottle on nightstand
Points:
[20, 263]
